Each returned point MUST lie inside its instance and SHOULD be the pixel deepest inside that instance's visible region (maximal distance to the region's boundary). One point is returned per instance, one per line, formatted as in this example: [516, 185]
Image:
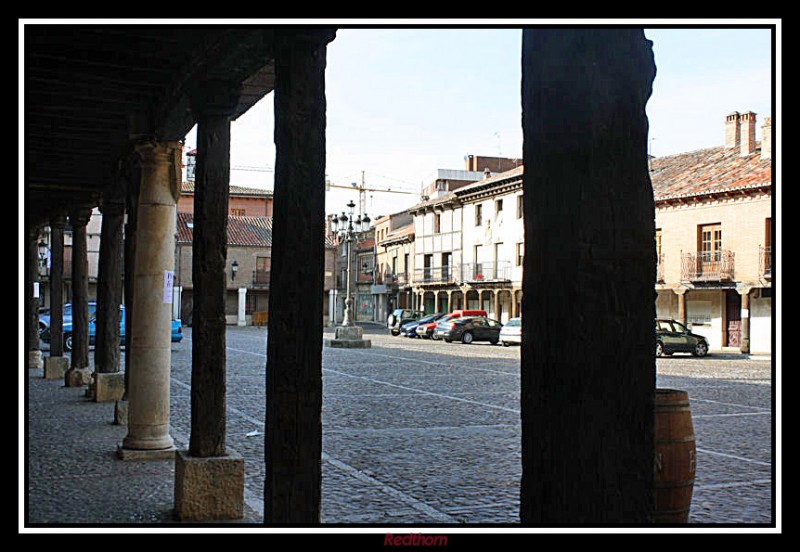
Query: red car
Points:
[426, 330]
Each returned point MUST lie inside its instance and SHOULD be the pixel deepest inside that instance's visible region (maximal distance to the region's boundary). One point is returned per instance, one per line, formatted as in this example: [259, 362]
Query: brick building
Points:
[714, 237]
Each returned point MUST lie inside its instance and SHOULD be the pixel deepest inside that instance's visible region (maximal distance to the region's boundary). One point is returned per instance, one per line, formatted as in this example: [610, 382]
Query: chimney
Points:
[470, 159]
[732, 130]
[748, 133]
[766, 138]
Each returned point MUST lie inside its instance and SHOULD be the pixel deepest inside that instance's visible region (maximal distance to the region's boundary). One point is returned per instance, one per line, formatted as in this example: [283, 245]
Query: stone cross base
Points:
[55, 367]
[209, 488]
[77, 377]
[348, 337]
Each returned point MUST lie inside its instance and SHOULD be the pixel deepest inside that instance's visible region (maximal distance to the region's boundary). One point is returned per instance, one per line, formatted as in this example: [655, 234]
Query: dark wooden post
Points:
[588, 366]
[79, 218]
[109, 285]
[57, 286]
[213, 105]
[293, 446]
[31, 299]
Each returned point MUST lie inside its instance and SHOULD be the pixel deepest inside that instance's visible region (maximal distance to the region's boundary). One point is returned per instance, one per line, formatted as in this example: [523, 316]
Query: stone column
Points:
[32, 297]
[241, 318]
[108, 381]
[293, 447]
[79, 373]
[745, 329]
[496, 293]
[681, 293]
[56, 364]
[587, 409]
[150, 347]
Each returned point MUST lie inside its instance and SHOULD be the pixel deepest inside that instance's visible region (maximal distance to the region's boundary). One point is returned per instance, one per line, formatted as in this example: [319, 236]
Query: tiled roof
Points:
[243, 231]
[187, 187]
[708, 171]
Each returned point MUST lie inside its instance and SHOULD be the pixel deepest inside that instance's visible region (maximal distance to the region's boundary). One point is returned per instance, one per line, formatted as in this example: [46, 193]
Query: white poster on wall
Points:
[169, 278]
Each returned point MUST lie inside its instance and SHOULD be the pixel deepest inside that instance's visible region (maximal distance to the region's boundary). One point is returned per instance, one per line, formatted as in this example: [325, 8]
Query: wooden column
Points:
[213, 105]
[745, 336]
[109, 287]
[589, 279]
[293, 448]
[32, 299]
[56, 364]
[78, 374]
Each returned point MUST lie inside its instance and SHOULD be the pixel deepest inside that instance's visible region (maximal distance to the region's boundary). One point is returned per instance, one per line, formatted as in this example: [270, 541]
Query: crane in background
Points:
[362, 190]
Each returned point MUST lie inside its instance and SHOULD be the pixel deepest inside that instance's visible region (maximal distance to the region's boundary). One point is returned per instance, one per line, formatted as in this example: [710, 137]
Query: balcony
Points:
[435, 275]
[499, 271]
[714, 266]
[765, 262]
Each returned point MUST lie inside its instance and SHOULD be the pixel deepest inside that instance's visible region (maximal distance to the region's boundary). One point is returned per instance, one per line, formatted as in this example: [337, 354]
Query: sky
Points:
[404, 102]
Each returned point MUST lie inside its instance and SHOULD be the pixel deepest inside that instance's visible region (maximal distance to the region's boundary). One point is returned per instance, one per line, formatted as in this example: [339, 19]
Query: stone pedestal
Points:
[35, 360]
[348, 337]
[55, 367]
[107, 387]
[77, 377]
[209, 488]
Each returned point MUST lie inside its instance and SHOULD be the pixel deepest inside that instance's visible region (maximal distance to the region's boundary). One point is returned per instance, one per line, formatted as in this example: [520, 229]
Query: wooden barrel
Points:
[675, 457]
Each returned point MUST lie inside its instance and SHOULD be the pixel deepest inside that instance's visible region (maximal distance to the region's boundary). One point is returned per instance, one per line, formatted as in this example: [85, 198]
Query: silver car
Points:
[511, 332]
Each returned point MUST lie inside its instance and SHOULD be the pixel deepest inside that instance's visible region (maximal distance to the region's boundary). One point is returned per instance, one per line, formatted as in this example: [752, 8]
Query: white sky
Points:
[404, 102]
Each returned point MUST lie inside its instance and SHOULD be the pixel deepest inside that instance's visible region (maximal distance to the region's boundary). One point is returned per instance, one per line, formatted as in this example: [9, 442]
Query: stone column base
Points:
[77, 377]
[55, 367]
[106, 387]
[35, 360]
[145, 454]
[209, 488]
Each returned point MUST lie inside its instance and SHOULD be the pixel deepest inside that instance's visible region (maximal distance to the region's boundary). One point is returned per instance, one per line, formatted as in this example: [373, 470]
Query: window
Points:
[437, 223]
[478, 214]
[238, 212]
[520, 253]
[519, 206]
[498, 206]
[658, 242]
[710, 242]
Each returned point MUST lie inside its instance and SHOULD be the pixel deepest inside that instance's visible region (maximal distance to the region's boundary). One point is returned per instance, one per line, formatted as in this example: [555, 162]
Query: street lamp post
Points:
[348, 228]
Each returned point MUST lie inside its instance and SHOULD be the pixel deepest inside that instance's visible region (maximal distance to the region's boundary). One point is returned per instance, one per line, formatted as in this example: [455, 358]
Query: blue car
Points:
[176, 331]
[44, 316]
[409, 329]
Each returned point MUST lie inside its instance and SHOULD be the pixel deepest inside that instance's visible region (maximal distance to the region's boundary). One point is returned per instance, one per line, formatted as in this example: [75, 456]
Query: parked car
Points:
[469, 329]
[428, 330]
[400, 317]
[409, 329]
[674, 337]
[44, 315]
[176, 332]
[511, 332]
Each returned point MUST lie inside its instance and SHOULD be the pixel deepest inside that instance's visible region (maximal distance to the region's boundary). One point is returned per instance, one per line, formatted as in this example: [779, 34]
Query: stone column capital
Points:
[58, 222]
[316, 36]
[156, 155]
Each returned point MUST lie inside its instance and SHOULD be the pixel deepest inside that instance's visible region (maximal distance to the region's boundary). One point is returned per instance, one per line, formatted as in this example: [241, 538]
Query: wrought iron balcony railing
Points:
[435, 275]
[714, 266]
[765, 261]
[486, 272]
[261, 278]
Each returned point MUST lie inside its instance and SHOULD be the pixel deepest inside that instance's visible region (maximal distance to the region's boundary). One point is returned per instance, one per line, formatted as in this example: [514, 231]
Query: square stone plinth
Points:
[55, 367]
[209, 489]
[35, 360]
[108, 387]
[77, 377]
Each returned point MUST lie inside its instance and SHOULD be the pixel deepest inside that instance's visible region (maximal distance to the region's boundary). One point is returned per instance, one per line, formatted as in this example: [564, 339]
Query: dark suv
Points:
[400, 317]
[469, 329]
[674, 337]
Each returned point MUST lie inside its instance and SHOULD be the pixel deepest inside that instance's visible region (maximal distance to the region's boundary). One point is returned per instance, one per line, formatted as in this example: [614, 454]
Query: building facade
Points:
[714, 237]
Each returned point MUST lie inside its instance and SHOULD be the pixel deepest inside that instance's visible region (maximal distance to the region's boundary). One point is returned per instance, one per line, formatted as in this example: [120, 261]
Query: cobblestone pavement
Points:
[414, 432]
